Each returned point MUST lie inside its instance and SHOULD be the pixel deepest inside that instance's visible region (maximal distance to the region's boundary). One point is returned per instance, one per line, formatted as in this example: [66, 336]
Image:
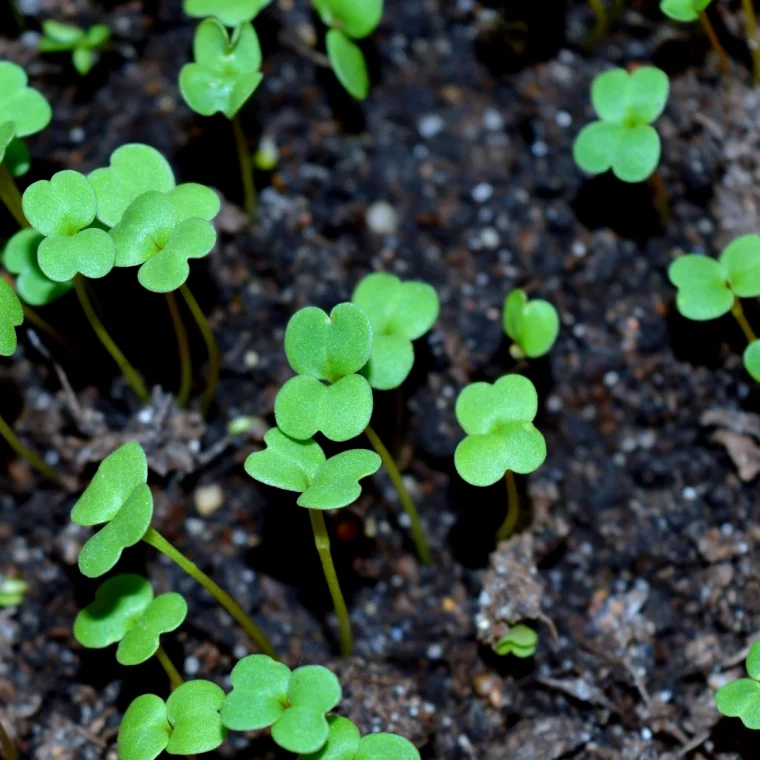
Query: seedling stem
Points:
[246, 167]
[661, 202]
[738, 313]
[34, 459]
[715, 42]
[322, 541]
[11, 197]
[175, 679]
[157, 541]
[186, 367]
[130, 373]
[418, 532]
[750, 21]
[9, 750]
[601, 20]
[507, 528]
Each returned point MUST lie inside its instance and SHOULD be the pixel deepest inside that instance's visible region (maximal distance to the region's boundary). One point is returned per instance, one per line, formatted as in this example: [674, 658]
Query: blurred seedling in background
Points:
[520, 640]
[119, 499]
[349, 20]
[301, 466]
[85, 45]
[267, 155]
[226, 72]
[532, 325]
[229, 12]
[12, 591]
[741, 698]
[708, 288]
[501, 438]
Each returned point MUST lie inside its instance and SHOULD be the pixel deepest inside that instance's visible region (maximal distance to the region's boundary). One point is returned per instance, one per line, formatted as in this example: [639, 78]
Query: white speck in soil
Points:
[489, 237]
[382, 218]
[435, 652]
[482, 192]
[431, 125]
[563, 119]
[192, 666]
[493, 120]
[77, 135]
[689, 493]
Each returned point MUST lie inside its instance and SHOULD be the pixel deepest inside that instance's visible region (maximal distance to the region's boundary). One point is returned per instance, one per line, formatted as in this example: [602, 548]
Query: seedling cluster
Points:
[520, 640]
[84, 45]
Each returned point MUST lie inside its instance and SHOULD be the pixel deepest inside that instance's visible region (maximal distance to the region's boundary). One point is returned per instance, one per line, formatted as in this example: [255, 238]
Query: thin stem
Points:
[246, 167]
[9, 750]
[661, 202]
[34, 459]
[157, 541]
[11, 197]
[738, 313]
[715, 42]
[19, 19]
[214, 357]
[507, 528]
[750, 22]
[322, 541]
[130, 373]
[186, 366]
[601, 21]
[175, 679]
[418, 532]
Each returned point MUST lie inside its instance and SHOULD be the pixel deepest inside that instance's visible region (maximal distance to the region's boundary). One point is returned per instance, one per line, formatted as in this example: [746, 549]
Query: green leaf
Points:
[90, 252]
[501, 435]
[683, 10]
[751, 359]
[11, 317]
[285, 463]
[304, 406]
[648, 94]
[609, 95]
[520, 640]
[328, 348]
[741, 699]
[386, 747]
[702, 290]
[134, 169]
[65, 34]
[145, 730]
[533, 325]
[20, 104]
[753, 661]
[741, 264]
[101, 553]
[84, 59]
[348, 63]
[166, 613]
[62, 206]
[637, 154]
[229, 12]
[118, 475]
[336, 483]
[357, 18]
[193, 200]
[342, 741]
[17, 159]
[97, 36]
[7, 135]
[226, 71]
[193, 711]
[596, 146]
[400, 312]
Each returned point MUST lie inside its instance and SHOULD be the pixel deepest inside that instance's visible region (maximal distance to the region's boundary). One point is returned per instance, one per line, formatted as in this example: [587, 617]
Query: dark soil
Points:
[639, 531]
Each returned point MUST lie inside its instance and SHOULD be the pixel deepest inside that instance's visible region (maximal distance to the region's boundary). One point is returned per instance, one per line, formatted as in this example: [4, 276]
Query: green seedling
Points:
[751, 359]
[125, 612]
[344, 742]
[229, 12]
[293, 703]
[332, 349]
[349, 20]
[85, 45]
[741, 698]
[188, 723]
[32, 285]
[623, 139]
[532, 325]
[520, 640]
[400, 312]
[11, 317]
[267, 155]
[691, 10]
[12, 591]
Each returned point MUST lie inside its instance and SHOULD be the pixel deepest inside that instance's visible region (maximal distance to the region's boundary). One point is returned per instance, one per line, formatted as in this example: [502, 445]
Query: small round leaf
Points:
[193, 711]
[61, 206]
[342, 741]
[637, 154]
[348, 63]
[701, 285]
[741, 264]
[300, 729]
[144, 732]
[336, 483]
[595, 147]
[386, 747]
[752, 359]
[357, 18]
[683, 10]
[22, 105]
[741, 699]
[90, 252]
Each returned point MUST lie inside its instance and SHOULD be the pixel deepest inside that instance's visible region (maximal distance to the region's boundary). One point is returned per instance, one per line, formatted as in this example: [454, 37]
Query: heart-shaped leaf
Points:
[90, 252]
[229, 12]
[683, 10]
[134, 169]
[165, 613]
[11, 317]
[357, 18]
[752, 359]
[520, 640]
[193, 711]
[741, 699]
[342, 741]
[305, 406]
[498, 420]
[145, 730]
[193, 200]
[386, 747]
[740, 261]
[266, 693]
[348, 63]
[336, 483]
[20, 104]
[702, 289]
[226, 71]
[400, 312]
[128, 526]
[533, 325]
[631, 98]
[20, 258]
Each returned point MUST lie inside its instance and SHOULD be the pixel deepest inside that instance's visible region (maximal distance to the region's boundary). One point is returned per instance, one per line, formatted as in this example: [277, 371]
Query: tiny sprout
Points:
[321, 348]
[294, 704]
[188, 723]
[683, 10]
[12, 591]
[226, 71]
[267, 156]
[11, 317]
[501, 437]
[532, 325]
[61, 210]
[400, 312]
[520, 640]
[125, 612]
[229, 12]
[741, 698]
[32, 285]
[623, 139]
[84, 45]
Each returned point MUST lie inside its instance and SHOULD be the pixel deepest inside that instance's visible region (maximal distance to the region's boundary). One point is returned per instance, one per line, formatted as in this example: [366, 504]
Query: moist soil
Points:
[635, 557]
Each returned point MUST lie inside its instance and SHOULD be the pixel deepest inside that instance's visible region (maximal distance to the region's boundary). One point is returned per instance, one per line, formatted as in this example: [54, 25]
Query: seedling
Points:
[520, 640]
[349, 21]
[229, 12]
[691, 10]
[85, 46]
[301, 466]
[125, 612]
[623, 139]
[751, 359]
[12, 591]
[501, 437]
[532, 325]
[225, 74]
[741, 698]
[188, 723]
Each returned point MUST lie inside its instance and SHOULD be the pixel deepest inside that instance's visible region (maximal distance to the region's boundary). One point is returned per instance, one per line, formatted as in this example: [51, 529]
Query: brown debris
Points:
[542, 739]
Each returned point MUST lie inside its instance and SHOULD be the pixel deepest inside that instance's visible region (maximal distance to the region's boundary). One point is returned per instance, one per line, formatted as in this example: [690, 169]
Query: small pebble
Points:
[382, 218]
[208, 499]
[431, 125]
